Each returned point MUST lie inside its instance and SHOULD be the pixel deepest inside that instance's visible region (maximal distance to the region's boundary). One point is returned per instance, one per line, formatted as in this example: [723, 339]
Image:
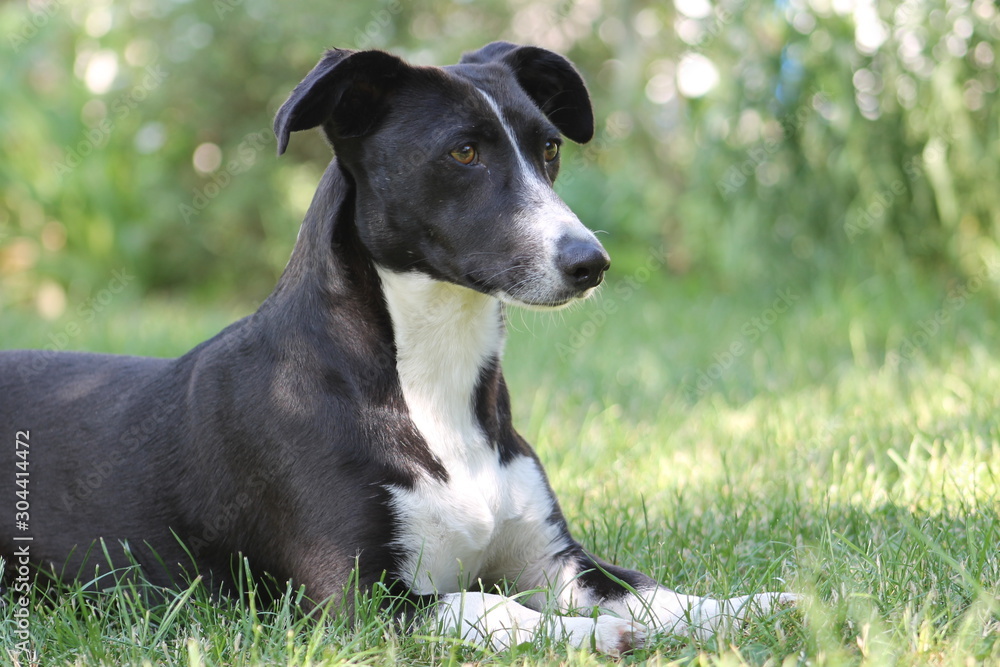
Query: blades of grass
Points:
[255, 630]
[971, 582]
[173, 609]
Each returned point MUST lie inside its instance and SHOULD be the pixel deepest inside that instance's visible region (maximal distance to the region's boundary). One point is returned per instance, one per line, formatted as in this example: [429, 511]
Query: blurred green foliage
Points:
[748, 139]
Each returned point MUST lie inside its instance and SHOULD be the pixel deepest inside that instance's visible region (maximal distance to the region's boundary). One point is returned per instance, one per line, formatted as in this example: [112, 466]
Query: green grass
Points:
[849, 450]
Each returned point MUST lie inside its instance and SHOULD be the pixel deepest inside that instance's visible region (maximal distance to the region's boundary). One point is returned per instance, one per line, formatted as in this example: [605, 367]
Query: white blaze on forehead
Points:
[522, 163]
[542, 209]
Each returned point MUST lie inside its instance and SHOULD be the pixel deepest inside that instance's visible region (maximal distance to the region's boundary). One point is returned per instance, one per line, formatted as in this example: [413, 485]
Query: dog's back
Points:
[255, 443]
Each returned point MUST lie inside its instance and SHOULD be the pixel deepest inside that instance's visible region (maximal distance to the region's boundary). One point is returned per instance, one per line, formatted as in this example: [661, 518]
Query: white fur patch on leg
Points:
[672, 613]
[497, 622]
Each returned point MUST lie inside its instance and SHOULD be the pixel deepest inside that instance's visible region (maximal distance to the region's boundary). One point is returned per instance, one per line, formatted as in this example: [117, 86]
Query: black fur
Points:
[276, 439]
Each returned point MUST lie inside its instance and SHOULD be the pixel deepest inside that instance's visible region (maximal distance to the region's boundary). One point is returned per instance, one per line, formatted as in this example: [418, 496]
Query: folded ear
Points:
[347, 92]
[550, 80]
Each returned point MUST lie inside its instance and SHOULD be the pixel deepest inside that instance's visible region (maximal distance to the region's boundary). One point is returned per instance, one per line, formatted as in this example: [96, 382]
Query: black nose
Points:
[583, 262]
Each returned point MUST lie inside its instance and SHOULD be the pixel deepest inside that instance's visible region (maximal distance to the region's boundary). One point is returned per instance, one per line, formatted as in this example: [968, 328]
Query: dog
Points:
[357, 427]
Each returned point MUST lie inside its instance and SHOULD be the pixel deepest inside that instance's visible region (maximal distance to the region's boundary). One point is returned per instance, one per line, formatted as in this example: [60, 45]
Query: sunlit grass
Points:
[809, 464]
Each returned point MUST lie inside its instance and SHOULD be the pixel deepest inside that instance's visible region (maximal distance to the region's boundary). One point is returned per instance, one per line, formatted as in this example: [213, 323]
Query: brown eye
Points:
[551, 150]
[465, 155]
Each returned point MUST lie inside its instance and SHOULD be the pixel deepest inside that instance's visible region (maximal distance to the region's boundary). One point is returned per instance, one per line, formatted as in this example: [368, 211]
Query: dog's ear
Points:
[550, 80]
[347, 93]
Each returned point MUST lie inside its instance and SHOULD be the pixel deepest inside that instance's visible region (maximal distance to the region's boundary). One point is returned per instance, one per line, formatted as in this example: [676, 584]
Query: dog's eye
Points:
[467, 154]
[551, 150]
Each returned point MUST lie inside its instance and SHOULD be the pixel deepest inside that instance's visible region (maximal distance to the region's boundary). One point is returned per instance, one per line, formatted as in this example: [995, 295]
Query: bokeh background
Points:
[768, 143]
[789, 379]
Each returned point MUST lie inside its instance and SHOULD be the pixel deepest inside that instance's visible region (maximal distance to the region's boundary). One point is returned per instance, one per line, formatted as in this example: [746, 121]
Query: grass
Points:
[843, 442]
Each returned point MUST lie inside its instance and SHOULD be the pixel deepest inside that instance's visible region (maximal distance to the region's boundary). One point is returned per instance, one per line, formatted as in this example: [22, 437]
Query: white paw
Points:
[735, 612]
[785, 601]
[677, 614]
[615, 636]
[762, 604]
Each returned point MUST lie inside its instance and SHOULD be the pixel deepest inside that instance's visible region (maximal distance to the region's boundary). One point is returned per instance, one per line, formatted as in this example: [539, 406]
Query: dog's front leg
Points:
[669, 612]
[499, 622]
[588, 582]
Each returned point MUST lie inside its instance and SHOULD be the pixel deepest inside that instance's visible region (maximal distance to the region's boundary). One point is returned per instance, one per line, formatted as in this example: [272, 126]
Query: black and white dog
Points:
[358, 423]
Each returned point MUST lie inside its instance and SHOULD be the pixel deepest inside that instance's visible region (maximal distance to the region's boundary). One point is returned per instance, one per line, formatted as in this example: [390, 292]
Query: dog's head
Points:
[453, 167]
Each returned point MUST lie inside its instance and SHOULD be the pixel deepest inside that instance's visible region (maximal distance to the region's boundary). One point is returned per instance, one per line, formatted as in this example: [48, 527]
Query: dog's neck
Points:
[445, 337]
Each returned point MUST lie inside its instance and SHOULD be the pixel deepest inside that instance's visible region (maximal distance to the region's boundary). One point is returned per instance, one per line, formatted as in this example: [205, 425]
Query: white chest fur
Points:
[456, 531]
